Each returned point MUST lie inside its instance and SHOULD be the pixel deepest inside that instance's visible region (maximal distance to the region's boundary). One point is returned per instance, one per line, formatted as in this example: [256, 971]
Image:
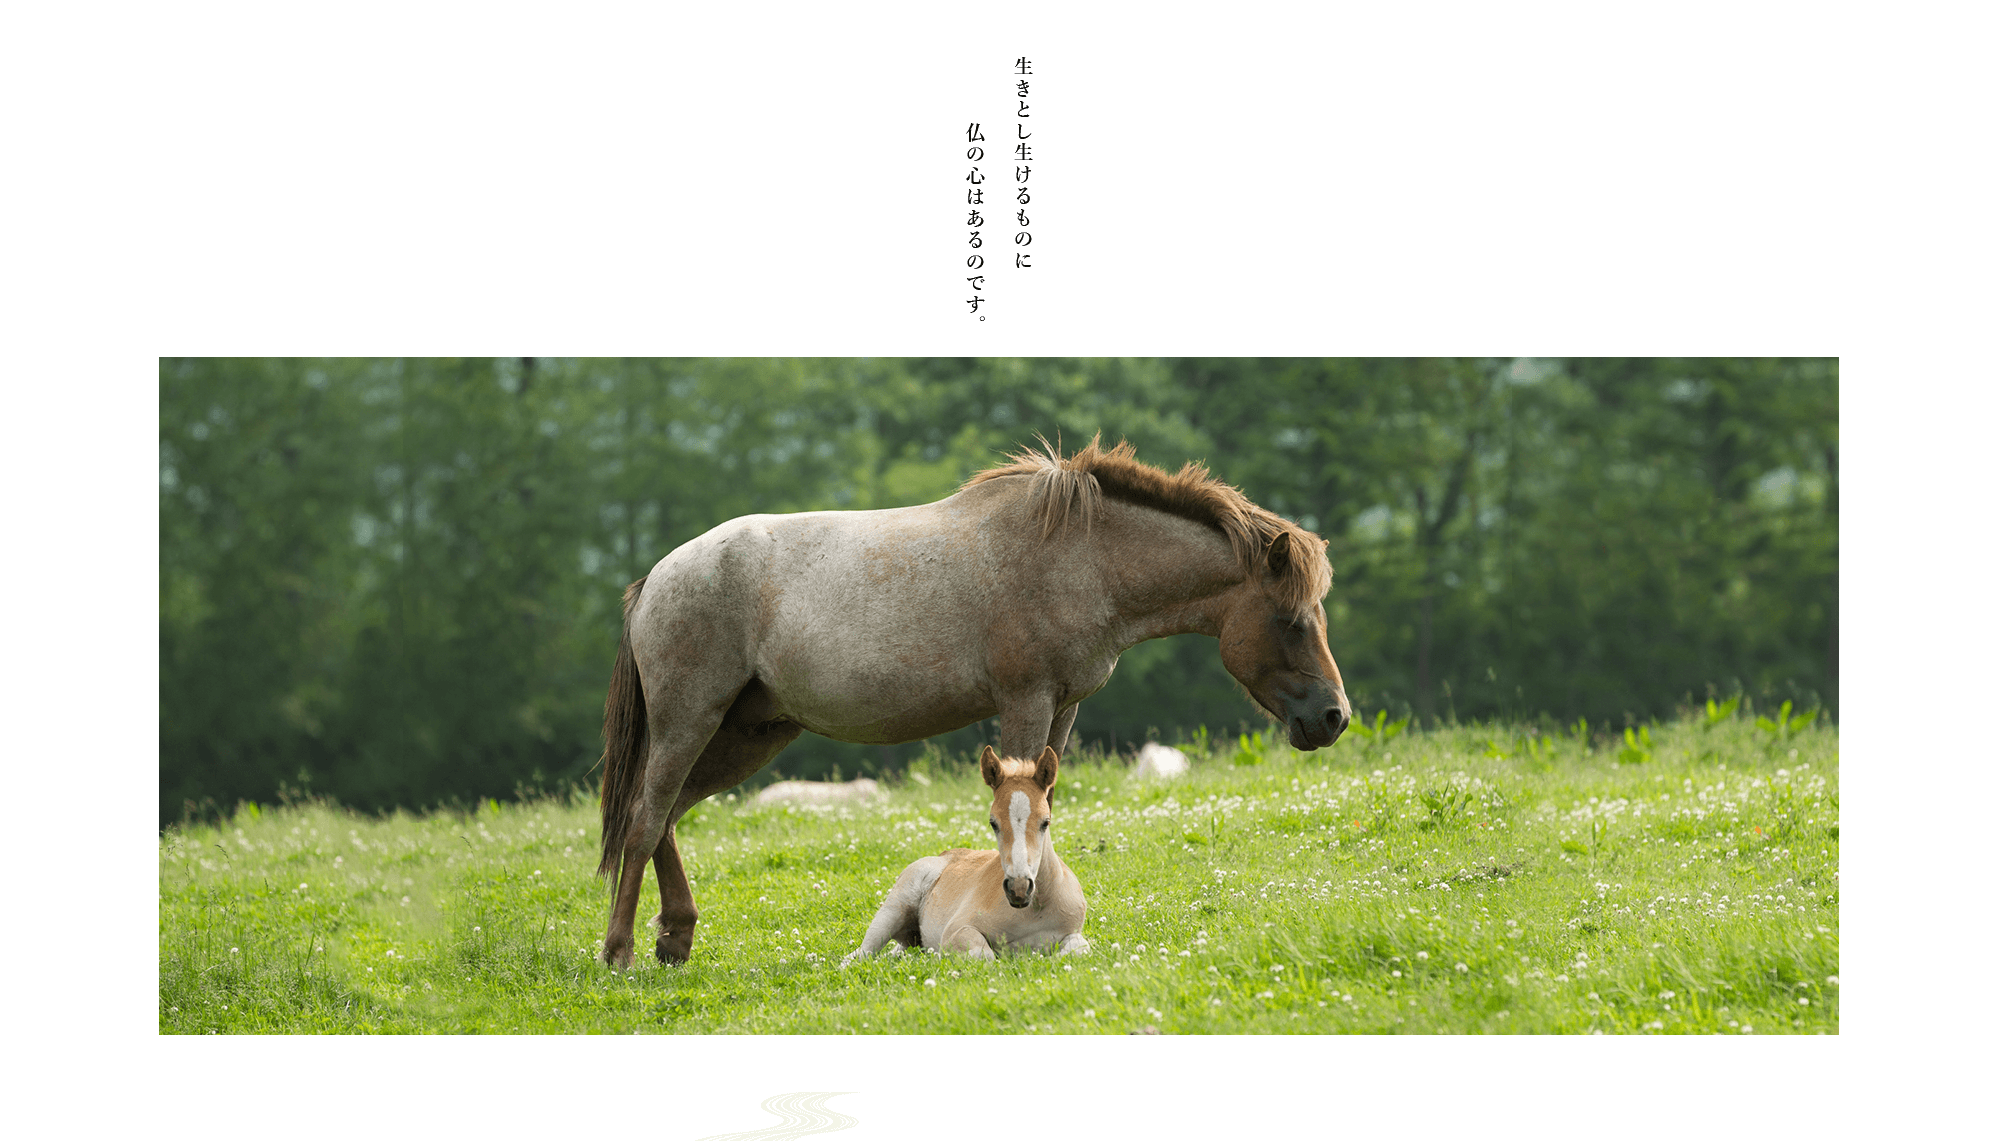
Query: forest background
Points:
[397, 582]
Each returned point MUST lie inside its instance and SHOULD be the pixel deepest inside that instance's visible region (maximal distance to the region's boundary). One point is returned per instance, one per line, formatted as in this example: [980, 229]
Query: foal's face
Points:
[1283, 661]
[1019, 817]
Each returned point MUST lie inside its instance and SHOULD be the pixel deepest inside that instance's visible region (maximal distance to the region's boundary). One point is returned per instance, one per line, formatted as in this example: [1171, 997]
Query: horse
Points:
[1016, 896]
[1014, 596]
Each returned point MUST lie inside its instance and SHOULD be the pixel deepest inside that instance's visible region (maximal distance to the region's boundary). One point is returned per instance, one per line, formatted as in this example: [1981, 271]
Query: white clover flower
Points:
[1421, 955]
[1461, 968]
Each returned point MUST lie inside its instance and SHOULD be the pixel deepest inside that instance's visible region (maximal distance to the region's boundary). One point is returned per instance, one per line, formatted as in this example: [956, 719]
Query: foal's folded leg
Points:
[1074, 944]
[900, 915]
[968, 941]
[894, 915]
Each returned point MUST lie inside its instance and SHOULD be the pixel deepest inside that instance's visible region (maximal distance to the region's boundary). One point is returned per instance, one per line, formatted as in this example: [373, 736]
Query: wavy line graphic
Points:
[803, 1113]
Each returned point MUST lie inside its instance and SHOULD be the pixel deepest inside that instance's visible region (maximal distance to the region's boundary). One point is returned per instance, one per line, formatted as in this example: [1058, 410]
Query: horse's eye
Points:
[993, 824]
[1045, 825]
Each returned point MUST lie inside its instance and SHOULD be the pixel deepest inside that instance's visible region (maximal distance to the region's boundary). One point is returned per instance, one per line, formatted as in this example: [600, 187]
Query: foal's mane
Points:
[1267, 545]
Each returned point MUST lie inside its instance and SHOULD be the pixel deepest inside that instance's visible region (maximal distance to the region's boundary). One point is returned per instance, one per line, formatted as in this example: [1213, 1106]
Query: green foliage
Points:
[1251, 748]
[1714, 714]
[1428, 888]
[1446, 806]
[1785, 724]
[1383, 730]
[1196, 744]
[397, 582]
[1638, 748]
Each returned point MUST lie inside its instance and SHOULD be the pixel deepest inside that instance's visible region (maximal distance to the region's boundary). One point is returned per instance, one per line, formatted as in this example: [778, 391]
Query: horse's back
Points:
[866, 626]
[875, 627]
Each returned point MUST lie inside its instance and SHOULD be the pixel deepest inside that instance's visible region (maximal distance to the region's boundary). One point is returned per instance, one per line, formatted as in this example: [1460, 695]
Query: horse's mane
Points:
[1267, 545]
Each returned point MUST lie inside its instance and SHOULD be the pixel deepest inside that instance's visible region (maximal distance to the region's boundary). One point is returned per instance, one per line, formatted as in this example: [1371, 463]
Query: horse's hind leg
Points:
[738, 749]
[674, 741]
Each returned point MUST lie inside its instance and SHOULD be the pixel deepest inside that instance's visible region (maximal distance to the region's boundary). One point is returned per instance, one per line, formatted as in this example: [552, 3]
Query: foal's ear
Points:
[989, 767]
[1045, 768]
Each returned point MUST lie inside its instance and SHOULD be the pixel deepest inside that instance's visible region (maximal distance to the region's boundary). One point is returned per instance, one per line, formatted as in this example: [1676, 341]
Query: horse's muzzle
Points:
[1317, 732]
[1019, 890]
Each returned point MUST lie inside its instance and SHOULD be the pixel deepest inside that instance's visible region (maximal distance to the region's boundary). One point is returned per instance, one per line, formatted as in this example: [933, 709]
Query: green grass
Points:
[1469, 880]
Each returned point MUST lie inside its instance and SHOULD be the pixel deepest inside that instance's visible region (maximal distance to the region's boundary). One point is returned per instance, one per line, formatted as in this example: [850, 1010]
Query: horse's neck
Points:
[1167, 575]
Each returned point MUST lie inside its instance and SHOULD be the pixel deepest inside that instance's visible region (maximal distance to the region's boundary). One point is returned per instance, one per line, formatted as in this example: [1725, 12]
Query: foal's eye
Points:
[993, 824]
[1045, 825]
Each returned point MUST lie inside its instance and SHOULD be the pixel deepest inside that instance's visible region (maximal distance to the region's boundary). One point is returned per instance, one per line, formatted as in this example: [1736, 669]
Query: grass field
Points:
[1684, 879]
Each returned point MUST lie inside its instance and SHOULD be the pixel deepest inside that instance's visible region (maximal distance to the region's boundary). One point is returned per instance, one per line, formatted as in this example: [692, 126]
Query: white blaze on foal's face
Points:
[1019, 817]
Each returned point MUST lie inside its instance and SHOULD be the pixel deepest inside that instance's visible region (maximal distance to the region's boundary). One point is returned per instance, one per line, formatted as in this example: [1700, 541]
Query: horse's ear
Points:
[989, 767]
[1045, 768]
[1278, 556]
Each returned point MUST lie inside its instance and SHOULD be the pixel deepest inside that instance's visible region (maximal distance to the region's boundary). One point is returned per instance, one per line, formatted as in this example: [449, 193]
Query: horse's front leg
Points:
[1059, 729]
[1028, 722]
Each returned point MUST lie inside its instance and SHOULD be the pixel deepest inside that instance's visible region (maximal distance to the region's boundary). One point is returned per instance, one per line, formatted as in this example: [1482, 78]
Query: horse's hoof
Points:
[617, 958]
[673, 949]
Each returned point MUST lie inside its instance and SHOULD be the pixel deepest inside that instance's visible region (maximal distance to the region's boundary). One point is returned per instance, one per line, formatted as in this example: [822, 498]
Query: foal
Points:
[1018, 895]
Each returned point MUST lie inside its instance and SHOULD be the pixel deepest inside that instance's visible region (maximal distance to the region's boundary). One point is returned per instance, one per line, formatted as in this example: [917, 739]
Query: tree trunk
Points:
[1426, 706]
[1430, 533]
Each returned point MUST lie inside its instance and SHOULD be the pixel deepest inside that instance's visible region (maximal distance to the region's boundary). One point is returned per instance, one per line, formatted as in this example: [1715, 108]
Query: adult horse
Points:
[1014, 597]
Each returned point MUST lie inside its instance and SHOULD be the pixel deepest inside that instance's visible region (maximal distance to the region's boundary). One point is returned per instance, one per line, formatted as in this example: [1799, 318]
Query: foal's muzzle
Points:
[1019, 890]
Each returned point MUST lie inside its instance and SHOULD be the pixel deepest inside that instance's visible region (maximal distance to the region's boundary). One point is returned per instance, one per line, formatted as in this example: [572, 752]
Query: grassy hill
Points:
[1681, 879]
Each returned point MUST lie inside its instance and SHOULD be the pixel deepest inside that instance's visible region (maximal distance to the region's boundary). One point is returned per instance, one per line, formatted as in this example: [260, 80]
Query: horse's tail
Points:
[624, 743]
